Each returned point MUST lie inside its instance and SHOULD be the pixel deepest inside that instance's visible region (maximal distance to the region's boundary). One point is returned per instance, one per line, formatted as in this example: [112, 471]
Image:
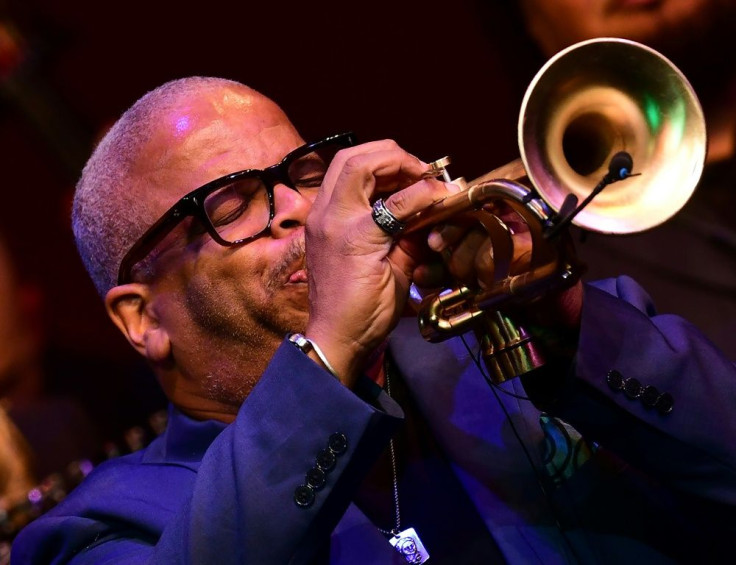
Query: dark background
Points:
[442, 78]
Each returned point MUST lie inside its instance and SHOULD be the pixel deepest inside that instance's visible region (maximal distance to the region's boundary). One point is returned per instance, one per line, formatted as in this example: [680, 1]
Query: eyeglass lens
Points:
[242, 208]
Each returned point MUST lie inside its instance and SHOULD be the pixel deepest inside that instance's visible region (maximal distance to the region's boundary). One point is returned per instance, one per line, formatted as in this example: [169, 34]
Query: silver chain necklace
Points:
[406, 542]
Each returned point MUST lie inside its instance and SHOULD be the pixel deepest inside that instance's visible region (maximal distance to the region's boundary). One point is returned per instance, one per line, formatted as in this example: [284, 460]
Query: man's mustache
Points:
[292, 260]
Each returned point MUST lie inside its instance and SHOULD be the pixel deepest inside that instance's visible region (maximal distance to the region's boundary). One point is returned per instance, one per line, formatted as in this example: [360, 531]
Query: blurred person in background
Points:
[16, 475]
[55, 426]
[49, 439]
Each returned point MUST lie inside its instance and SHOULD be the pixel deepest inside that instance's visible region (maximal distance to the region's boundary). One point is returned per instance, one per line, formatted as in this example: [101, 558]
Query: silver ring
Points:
[385, 220]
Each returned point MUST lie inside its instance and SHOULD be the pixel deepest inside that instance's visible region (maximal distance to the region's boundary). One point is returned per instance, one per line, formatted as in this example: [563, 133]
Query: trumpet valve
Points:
[438, 168]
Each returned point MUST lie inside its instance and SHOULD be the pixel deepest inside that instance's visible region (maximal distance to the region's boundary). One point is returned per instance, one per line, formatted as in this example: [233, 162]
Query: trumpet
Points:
[599, 112]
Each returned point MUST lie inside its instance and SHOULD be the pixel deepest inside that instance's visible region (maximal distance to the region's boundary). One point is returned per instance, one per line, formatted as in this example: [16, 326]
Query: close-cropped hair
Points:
[108, 213]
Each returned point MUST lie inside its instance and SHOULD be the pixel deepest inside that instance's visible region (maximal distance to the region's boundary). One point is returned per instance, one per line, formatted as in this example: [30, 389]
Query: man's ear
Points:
[130, 306]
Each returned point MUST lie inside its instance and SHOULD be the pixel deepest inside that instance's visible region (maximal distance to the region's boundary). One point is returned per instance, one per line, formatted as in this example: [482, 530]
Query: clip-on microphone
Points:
[619, 168]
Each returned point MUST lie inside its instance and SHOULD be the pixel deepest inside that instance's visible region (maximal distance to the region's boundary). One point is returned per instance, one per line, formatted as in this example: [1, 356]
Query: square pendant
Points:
[408, 544]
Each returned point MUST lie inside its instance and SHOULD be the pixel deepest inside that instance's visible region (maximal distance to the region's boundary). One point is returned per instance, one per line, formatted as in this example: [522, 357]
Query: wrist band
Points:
[305, 345]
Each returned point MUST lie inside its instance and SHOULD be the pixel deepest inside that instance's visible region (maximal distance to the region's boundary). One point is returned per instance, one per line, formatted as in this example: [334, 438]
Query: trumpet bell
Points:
[588, 103]
[597, 98]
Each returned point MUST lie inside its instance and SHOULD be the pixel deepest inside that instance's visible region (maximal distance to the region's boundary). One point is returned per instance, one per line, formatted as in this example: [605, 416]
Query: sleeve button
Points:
[304, 496]
[665, 403]
[316, 478]
[326, 460]
[632, 388]
[649, 396]
[337, 443]
[615, 380]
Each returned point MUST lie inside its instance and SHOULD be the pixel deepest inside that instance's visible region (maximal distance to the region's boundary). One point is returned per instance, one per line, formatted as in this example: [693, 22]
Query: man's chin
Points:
[293, 313]
[297, 297]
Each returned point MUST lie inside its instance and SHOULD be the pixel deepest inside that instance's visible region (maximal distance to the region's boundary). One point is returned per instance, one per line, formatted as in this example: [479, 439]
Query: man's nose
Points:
[290, 209]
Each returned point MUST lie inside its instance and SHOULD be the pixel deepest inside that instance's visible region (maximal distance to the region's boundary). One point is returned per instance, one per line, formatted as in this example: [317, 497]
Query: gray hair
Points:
[108, 215]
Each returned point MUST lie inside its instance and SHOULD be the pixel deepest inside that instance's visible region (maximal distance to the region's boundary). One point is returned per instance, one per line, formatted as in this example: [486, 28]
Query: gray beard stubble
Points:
[250, 339]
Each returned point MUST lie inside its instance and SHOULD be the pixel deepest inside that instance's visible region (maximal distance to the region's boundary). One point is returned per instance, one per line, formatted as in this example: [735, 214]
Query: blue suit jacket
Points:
[661, 486]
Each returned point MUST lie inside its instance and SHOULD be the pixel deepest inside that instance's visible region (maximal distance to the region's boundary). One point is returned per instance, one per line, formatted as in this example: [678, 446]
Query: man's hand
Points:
[359, 276]
[478, 259]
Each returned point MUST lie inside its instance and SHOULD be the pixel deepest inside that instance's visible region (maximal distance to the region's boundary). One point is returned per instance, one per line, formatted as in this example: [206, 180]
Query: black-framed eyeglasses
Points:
[239, 207]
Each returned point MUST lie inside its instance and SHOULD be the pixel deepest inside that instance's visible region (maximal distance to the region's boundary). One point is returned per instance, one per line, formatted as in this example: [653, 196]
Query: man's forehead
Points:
[218, 133]
[220, 113]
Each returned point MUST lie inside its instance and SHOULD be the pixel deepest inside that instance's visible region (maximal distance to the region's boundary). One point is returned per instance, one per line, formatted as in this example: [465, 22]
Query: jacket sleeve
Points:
[250, 501]
[243, 508]
[653, 390]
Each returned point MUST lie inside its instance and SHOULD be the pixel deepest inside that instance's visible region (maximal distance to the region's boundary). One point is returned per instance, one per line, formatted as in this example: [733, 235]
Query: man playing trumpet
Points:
[310, 422]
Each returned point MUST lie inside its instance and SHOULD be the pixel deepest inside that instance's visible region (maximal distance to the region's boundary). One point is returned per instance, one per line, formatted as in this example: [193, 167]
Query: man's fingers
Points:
[418, 196]
[359, 173]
